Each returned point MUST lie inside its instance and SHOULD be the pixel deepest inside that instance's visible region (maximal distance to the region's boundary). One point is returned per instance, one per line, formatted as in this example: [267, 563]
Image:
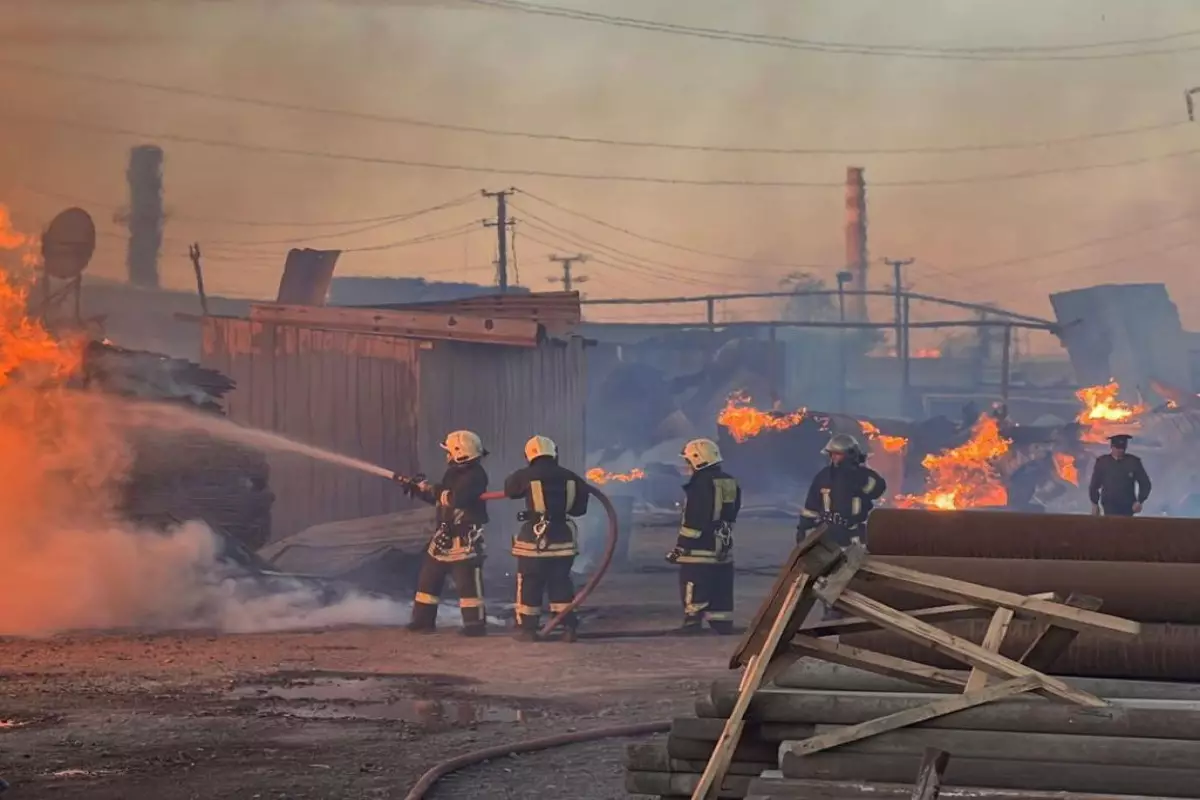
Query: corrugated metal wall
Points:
[355, 394]
[506, 395]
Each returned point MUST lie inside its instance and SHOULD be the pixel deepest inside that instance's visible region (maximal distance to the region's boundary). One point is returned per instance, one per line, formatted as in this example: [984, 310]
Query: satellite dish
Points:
[68, 244]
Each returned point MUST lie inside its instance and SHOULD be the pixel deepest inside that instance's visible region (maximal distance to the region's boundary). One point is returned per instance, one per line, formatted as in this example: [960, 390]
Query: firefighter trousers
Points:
[706, 591]
[468, 581]
[541, 577]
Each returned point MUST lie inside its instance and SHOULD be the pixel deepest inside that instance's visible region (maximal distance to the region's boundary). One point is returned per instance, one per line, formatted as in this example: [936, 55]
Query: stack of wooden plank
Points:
[788, 729]
[1147, 743]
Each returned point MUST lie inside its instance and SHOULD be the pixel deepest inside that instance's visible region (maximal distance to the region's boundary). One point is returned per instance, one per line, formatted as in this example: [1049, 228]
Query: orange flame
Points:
[965, 476]
[890, 444]
[599, 477]
[1067, 468]
[1101, 405]
[744, 421]
[927, 352]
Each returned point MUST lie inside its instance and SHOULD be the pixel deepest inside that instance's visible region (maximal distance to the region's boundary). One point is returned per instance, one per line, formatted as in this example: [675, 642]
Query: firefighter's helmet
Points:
[842, 443]
[540, 446]
[701, 453]
[462, 446]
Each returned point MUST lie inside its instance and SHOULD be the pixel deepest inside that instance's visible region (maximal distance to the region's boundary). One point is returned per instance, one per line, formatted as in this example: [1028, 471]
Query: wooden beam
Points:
[964, 592]
[714, 773]
[911, 716]
[878, 663]
[929, 779]
[845, 627]
[412, 324]
[959, 648]
[1051, 643]
[997, 630]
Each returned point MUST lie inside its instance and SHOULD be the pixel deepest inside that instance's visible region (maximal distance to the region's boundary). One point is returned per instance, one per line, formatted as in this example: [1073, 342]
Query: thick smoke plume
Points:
[70, 561]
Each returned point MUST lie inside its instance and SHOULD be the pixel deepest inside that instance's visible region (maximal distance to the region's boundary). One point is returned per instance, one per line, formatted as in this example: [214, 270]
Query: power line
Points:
[1009, 54]
[663, 242]
[581, 176]
[587, 140]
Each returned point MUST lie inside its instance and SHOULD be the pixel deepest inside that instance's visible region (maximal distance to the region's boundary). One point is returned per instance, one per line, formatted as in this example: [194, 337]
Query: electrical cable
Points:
[1009, 54]
[115, 130]
[586, 140]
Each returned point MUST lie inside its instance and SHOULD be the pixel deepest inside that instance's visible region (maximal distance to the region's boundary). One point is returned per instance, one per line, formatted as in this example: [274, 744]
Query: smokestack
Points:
[856, 242]
[145, 179]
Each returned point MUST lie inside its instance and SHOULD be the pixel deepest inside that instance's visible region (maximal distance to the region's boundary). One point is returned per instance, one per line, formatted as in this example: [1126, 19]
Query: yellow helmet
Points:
[540, 446]
[462, 446]
[701, 453]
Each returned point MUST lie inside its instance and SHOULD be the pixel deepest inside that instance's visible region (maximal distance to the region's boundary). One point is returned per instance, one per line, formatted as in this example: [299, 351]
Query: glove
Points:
[674, 556]
[1095, 510]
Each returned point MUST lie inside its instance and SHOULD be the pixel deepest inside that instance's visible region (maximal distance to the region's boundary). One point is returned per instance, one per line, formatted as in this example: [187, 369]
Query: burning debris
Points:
[1102, 410]
[599, 476]
[744, 421]
[889, 444]
[965, 476]
[1067, 467]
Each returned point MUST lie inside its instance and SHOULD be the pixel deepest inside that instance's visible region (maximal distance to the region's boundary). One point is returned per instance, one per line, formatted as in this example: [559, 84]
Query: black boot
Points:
[475, 629]
[692, 626]
[527, 629]
[721, 627]
[570, 634]
[424, 618]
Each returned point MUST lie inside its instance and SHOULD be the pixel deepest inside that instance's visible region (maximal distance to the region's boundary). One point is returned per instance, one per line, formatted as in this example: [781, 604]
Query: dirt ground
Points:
[361, 712]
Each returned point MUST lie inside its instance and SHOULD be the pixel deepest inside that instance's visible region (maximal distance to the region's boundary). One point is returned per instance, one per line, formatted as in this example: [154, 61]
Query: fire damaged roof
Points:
[141, 374]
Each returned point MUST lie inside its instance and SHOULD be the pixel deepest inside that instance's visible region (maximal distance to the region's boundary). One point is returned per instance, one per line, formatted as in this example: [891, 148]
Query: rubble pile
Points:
[177, 477]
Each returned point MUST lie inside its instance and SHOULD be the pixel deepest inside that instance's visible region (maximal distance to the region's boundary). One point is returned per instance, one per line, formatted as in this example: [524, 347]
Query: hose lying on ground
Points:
[443, 769]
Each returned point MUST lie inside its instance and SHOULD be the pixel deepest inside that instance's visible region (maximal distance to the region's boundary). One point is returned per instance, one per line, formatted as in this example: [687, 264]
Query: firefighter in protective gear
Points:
[1120, 484]
[842, 494]
[547, 543]
[456, 549]
[704, 548]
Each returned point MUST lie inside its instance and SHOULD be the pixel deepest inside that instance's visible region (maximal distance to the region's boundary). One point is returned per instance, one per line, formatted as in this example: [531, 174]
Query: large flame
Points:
[600, 477]
[1067, 468]
[744, 421]
[1100, 405]
[965, 476]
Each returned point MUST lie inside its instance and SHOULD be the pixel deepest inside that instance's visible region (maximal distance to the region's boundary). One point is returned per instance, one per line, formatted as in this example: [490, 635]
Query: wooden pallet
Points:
[817, 570]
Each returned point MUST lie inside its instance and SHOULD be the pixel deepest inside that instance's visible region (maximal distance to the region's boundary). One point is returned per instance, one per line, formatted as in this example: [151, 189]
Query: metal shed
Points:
[385, 385]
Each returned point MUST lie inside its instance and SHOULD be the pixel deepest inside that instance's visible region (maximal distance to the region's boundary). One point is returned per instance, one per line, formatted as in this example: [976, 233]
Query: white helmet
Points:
[462, 446]
[842, 443]
[701, 453]
[540, 446]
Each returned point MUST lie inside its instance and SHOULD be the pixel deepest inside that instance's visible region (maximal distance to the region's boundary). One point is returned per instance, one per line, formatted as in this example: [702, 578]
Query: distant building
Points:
[357, 291]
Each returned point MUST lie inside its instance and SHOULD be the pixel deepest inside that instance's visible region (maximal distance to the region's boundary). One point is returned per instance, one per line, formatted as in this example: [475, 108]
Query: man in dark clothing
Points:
[1119, 483]
[547, 543]
[456, 549]
[842, 494]
[704, 547]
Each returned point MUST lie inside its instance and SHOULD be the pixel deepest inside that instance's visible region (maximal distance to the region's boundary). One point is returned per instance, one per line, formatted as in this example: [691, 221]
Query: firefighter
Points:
[547, 543]
[842, 494]
[1120, 485]
[704, 547]
[456, 549]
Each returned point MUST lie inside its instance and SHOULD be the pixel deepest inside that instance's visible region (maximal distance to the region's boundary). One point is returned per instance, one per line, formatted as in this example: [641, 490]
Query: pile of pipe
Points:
[1147, 743]
[1143, 568]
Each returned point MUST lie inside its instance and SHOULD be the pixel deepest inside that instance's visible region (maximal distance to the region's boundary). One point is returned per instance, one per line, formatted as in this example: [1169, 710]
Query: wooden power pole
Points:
[568, 280]
[902, 349]
[501, 224]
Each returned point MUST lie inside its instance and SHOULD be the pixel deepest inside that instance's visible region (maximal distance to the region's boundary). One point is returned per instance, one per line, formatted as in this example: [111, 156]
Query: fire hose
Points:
[439, 771]
[610, 550]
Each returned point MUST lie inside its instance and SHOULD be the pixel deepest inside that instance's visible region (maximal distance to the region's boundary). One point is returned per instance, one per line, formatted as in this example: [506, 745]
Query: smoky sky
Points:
[460, 63]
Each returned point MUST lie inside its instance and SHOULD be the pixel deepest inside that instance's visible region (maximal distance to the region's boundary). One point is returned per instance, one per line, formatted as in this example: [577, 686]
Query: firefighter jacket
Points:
[461, 512]
[552, 495]
[711, 503]
[841, 495]
[1119, 483]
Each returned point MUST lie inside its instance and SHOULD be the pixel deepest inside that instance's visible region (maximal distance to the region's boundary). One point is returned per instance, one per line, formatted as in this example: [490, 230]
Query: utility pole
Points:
[843, 277]
[501, 224]
[902, 350]
[567, 280]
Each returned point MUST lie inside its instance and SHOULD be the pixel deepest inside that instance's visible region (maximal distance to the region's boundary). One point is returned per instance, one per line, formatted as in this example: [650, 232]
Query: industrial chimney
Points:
[145, 179]
[856, 242]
